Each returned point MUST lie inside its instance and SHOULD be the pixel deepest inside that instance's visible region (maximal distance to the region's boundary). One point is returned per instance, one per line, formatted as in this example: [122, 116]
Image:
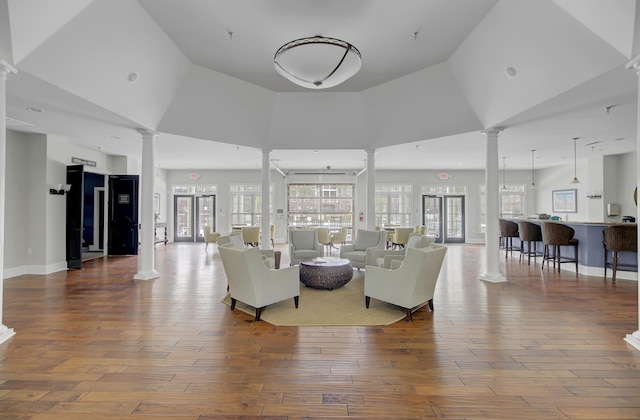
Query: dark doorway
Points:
[123, 215]
[75, 198]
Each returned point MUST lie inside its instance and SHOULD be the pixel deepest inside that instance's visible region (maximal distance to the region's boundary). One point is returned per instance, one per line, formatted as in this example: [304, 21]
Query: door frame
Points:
[98, 218]
[197, 227]
[176, 237]
[445, 206]
[443, 237]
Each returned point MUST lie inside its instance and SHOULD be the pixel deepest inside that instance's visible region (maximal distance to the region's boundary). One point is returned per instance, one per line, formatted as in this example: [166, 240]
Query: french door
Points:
[191, 215]
[443, 217]
[183, 218]
[205, 215]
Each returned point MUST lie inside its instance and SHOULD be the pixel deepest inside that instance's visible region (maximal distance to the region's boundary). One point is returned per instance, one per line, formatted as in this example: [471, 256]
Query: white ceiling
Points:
[421, 100]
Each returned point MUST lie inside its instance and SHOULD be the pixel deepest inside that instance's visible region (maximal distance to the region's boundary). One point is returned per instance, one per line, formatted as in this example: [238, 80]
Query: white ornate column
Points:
[371, 190]
[5, 70]
[265, 240]
[146, 267]
[492, 234]
[634, 338]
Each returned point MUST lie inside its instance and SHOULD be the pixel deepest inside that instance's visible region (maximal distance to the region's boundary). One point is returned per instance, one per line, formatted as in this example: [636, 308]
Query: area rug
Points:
[342, 306]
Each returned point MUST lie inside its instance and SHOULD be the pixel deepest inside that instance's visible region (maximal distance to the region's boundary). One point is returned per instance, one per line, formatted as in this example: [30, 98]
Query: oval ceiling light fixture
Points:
[317, 62]
[133, 77]
[510, 72]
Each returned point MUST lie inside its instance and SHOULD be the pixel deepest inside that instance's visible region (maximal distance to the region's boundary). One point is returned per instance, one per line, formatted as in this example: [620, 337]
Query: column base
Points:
[146, 275]
[493, 278]
[6, 333]
[633, 339]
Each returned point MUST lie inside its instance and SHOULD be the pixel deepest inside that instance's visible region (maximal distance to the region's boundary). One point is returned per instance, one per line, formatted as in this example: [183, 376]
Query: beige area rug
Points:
[342, 306]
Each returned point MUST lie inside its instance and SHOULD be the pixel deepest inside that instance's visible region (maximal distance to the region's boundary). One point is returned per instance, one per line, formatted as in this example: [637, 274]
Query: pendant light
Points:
[533, 173]
[504, 176]
[575, 161]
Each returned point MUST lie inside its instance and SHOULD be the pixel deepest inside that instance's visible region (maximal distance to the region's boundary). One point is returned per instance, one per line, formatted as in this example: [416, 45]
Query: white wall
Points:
[626, 181]
[614, 176]
[16, 219]
[35, 224]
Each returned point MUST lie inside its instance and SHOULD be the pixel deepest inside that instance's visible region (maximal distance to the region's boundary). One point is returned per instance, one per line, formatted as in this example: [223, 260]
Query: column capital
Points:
[368, 151]
[634, 64]
[6, 68]
[492, 131]
[145, 132]
[266, 151]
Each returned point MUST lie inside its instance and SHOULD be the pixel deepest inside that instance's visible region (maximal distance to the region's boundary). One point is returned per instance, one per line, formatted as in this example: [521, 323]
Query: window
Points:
[246, 205]
[393, 205]
[320, 205]
[511, 203]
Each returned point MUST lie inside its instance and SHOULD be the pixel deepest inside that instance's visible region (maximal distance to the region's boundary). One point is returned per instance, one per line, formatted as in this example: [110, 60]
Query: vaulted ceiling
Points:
[433, 77]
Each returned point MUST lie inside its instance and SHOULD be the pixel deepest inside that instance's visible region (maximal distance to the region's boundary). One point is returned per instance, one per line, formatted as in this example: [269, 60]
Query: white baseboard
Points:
[34, 269]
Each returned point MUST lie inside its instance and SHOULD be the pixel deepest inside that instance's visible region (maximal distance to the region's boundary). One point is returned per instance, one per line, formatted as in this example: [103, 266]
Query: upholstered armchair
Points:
[235, 240]
[304, 245]
[272, 233]
[365, 239]
[384, 257]
[251, 235]
[410, 285]
[401, 237]
[340, 237]
[324, 238]
[251, 282]
[209, 236]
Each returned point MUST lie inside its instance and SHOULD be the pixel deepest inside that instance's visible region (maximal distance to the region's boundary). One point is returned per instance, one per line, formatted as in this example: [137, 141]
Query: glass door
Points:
[443, 217]
[454, 218]
[205, 215]
[432, 216]
[183, 211]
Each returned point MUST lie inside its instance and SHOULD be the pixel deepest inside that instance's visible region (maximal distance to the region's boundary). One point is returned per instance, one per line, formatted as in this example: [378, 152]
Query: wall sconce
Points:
[59, 189]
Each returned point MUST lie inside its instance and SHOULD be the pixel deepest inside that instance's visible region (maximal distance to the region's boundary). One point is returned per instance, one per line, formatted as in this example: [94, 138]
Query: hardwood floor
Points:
[95, 344]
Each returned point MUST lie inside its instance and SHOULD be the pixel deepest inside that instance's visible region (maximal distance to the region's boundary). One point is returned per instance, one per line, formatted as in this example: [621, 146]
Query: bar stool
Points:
[508, 231]
[529, 233]
[619, 239]
[556, 235]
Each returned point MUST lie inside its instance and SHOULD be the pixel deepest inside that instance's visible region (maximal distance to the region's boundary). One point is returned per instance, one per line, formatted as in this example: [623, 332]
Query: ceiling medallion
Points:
[317, 62]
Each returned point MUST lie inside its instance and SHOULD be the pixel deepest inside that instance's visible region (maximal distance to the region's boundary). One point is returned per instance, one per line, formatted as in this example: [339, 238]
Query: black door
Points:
[75, 178]
[123, 215]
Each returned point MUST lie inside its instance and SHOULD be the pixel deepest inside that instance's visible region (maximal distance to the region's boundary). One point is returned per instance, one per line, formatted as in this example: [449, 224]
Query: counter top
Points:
[571, 222]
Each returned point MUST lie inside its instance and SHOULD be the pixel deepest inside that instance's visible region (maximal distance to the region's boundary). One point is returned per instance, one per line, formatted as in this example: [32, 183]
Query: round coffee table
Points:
[325, 273]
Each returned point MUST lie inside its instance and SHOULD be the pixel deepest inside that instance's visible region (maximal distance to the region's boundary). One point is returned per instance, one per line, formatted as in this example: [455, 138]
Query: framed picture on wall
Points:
[564, 201]
[156, 203]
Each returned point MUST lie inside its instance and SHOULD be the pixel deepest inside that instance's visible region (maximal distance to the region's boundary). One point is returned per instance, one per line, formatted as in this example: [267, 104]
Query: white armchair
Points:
[209, 236]
[384, 257]
[235, 240]
[365, 239]
[304, 245]
[410, 285]
[251, 282]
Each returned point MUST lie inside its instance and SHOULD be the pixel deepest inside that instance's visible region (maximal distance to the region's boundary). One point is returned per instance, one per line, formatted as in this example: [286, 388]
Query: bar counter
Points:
[591, 249]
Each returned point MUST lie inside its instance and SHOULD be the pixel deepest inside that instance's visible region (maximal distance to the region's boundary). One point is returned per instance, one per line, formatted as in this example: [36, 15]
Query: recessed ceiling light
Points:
[32, 109]
[133, 77]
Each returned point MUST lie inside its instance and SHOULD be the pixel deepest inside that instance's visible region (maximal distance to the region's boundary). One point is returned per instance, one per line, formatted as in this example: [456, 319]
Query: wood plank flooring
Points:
[96, 344]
